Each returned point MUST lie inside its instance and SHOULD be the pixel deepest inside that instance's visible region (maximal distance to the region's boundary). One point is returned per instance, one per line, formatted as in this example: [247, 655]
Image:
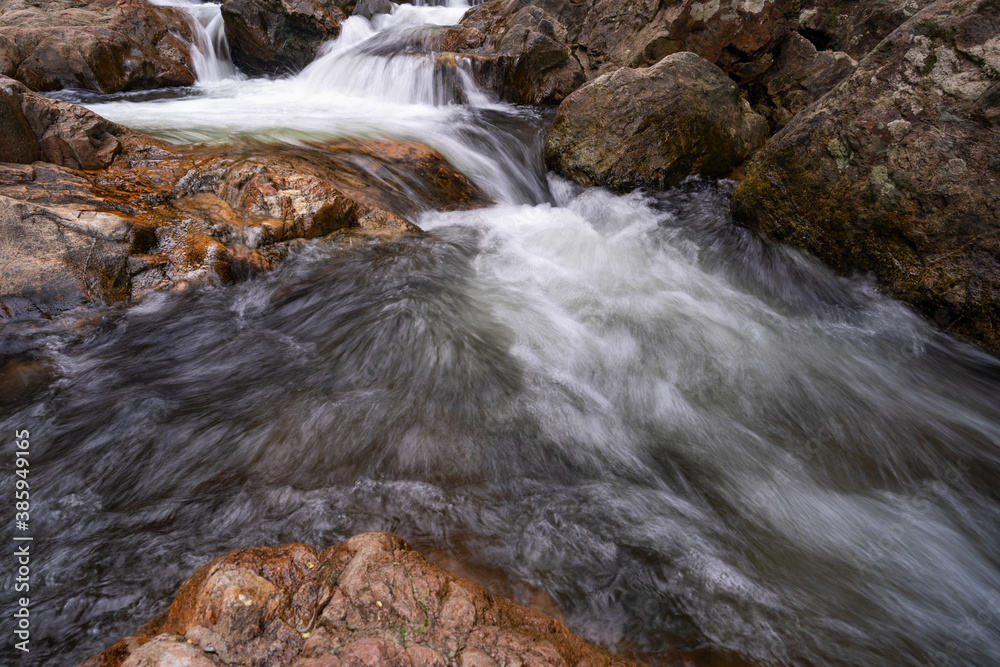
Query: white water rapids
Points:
[684, 436]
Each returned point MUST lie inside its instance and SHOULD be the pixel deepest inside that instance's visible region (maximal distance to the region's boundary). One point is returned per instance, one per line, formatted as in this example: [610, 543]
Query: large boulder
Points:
[371, 600]
[104, 214]
[273, 37]
[655, 126]
[896, 173]
[104, 45]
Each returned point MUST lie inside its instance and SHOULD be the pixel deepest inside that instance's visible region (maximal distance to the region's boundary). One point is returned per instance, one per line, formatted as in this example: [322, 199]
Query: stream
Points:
[678, 435]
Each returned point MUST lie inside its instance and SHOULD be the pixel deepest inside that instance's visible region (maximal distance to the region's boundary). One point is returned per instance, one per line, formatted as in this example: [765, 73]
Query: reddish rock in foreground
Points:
[371, 600]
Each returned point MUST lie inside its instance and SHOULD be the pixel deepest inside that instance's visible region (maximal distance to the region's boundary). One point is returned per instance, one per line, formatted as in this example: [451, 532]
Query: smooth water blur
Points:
[210, 50]
[684, 436]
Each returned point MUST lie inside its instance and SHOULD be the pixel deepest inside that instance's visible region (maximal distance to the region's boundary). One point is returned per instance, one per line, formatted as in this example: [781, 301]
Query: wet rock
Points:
[105, 45]
[802, 75]
[371, 600]
[896, 172]
[653, 127]
[273, 37]
[161, 217]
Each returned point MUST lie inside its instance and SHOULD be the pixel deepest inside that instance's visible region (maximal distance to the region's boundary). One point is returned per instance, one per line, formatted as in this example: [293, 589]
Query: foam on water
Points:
[684, 435]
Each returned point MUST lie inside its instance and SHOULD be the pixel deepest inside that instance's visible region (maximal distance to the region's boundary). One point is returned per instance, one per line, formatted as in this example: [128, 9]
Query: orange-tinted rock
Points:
[105, 45]
[371, 600]
[142, 216]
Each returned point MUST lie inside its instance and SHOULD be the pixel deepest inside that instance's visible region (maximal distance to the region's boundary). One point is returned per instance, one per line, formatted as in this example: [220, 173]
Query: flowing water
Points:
[687, 438]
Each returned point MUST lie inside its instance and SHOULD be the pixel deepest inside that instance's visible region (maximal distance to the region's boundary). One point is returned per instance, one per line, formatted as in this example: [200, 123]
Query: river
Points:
[680, 435]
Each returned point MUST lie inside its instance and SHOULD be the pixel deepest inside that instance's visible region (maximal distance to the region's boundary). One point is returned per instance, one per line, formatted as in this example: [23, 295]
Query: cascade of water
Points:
[210, 50]
[382, 59]
[674, 429]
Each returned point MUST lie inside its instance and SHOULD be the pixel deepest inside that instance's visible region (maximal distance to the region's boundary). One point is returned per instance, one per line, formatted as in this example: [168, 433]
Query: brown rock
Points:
[855, 26]
[57, 132]
[55, 258]
[368, 601]
[19, 141]
[549, 47]
[104, 45]
[802, 75]
[653, 127]
[897, 171]
[158, 217]
[271, 37]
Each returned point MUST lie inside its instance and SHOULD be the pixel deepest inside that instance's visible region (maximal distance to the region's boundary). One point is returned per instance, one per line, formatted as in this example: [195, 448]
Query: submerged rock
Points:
[273, 37]
[105, 45]
[91, 212]
[371, 600]
[897, 172]
[655, 126]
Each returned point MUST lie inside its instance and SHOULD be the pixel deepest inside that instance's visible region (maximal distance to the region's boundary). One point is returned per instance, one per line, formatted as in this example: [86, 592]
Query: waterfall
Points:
[210, 50]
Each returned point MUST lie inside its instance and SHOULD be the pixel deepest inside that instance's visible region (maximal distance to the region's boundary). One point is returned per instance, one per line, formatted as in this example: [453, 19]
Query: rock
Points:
[160, 217]
[653, 127]
[854, 26]
[370, 600]
[369, 8]
[273, 37]
[103, 45]
[57, 132]
[19, 141]
[802, 75]
[896, 172]
[529, 45]
[550, 47]
[56, 258]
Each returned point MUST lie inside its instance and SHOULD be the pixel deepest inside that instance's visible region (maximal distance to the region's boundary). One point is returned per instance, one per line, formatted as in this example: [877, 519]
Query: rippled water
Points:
[682, 435]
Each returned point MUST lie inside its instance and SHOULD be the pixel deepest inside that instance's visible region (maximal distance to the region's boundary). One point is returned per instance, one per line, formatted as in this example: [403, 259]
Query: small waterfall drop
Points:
[385, 59]
[210, 50]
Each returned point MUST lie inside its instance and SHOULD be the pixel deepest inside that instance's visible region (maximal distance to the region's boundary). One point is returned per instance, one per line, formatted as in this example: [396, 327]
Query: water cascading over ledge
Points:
[210, 56]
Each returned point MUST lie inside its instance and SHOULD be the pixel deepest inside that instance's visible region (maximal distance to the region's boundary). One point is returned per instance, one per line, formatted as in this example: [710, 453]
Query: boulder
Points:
[369, 8]
[54, 131]
[103, 45]
[550, 47]
[854, 26]
[896, 173]
[104, 214]
[274, 37]
[653, 127]
[801, 75]
[57, 258]
[370, 600]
